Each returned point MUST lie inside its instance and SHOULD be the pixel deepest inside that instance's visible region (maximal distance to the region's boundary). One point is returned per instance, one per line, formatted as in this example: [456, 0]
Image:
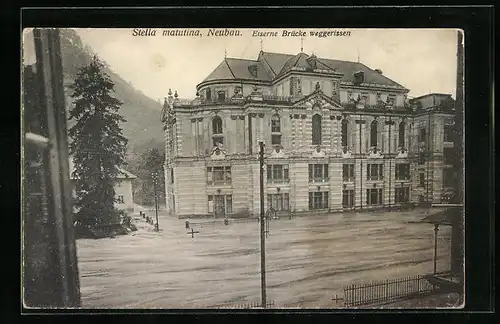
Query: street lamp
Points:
[155, 179]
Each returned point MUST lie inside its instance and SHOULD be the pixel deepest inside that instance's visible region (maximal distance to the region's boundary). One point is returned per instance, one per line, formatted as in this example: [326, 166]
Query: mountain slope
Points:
[141, 112]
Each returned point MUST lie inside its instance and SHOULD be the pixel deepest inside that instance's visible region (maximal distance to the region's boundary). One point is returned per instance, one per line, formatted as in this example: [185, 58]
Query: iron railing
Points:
[386, 291]
[258, 305]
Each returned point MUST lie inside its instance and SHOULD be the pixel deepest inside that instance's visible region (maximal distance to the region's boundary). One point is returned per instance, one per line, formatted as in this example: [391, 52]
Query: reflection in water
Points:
[309, 260]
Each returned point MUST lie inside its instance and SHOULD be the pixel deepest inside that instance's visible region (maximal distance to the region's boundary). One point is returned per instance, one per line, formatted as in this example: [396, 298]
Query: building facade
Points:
[338, 136]
[124, 195]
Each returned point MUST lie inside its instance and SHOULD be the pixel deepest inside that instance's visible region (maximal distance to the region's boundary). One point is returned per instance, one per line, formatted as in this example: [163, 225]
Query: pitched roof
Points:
[122, 173]
[236, 69]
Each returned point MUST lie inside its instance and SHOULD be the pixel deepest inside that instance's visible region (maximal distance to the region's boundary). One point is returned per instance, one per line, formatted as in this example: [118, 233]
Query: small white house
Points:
[123, 188]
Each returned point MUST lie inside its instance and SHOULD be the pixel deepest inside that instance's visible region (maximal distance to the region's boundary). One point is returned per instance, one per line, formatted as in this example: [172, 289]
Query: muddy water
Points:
[309, 260]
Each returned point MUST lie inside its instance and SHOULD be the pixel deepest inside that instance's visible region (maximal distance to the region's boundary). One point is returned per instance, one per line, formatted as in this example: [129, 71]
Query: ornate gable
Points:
[317, 100]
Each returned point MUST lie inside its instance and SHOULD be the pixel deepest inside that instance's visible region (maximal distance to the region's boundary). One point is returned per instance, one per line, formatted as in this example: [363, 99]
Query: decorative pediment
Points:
[374, 153]
[277, 152]
[317, 100]
[402, 153]
[318, 152]
[346, 152]
[218, 153]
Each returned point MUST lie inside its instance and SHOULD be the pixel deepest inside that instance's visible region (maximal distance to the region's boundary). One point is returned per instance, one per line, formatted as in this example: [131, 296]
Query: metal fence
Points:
[258, 305]
[381, 292]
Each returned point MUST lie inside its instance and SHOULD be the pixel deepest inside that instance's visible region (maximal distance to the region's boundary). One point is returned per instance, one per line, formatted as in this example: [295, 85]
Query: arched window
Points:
[275, 124]
[402, 127]
[217, 135]
[217, 125]
[373, 134]
[275, 130]
[344, 132]
[316, 130]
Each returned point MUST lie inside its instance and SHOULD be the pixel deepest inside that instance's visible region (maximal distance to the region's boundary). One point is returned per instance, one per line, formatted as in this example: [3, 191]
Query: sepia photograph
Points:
[232, 168]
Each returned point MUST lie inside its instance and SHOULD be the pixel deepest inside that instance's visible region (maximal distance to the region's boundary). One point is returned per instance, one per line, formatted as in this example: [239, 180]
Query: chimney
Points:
[254, 70]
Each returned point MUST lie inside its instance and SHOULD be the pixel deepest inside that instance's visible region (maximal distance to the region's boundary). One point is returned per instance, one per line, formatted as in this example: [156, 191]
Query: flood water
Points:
[308, 260]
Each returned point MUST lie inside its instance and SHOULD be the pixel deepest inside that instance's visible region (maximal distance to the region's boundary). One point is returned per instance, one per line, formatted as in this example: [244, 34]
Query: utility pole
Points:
[262, 228]
[155, 179]
[390, 122]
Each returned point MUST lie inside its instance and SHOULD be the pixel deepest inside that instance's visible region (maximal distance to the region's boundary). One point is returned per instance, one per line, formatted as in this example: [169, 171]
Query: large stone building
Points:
[338, 135]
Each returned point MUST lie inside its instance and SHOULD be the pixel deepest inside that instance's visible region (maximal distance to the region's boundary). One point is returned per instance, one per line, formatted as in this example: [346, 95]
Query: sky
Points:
[422, 60]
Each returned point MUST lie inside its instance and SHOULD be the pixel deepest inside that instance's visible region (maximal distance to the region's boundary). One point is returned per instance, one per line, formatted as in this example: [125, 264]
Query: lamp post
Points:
[262, 228]
[436, 229]
[155, 179]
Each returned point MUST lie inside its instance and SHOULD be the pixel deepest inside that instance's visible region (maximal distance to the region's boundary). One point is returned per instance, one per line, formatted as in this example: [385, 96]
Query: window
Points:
[448, 133]
[275, 124]
[219, 175]
[279, 202]
[421, 179]
[172, 175]
[277, 173]
[209, 94]
[299, 86]
[422, 135]
[221, 96]
[217, 135]
[403, 171]
[275, 130]
[448, 177]
[344, 132]
[318, 200]
[217, 125]
[318, 173]
[391, 100]
[120, 200]
[373, 133]
[347, 198]
[448, 155]
[422, 157]
[401, 195]
[348, 172]
[221, 205]
[402, 126]
[374, 171]
[373, 196]
[316, 130]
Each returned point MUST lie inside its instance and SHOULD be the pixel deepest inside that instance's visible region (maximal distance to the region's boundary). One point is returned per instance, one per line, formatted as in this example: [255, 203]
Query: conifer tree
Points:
[97, 145]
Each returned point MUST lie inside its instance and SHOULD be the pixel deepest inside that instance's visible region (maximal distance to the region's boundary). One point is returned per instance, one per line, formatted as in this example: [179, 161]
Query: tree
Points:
[152, 161]
[97, 145]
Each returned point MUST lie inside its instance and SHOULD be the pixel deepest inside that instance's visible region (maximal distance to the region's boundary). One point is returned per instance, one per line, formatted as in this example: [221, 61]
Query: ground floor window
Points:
[318, 200]
[220, 205]
[402, 195]
[373, 196]
[347, 198]
[278, 202]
